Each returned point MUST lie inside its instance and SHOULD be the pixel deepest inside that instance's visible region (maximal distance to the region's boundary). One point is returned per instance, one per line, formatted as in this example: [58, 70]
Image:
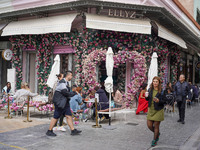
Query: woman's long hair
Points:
[143, 87]
[79, 89]
[159, 85]
[7, 84]
[168, 87]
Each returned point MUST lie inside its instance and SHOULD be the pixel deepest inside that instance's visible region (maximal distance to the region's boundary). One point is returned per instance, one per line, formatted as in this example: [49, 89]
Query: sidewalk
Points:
[193, 143]
[18, 122]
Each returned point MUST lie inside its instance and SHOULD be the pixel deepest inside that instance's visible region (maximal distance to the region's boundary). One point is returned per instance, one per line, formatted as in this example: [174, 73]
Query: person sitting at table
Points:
[27, 86]
[76, 101]
[83, 106]
[117, 96]
[91, 94]
[22, 95]
[7, 89]
[103, 102]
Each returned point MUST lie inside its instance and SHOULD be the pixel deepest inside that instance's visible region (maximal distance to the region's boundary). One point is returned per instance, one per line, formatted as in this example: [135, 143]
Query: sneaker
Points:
[50, 133]
[61, 128]
[102, 118]
[75, 132]
[55, 128]
[179, 120]
[153, 143]
[183, 122]
[85, 120]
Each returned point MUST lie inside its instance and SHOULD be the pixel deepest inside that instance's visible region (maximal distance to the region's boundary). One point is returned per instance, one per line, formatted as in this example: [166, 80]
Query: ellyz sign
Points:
[121, 13]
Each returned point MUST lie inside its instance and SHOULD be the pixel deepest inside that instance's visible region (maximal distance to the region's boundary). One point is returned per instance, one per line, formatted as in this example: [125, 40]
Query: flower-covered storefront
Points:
[128, 47]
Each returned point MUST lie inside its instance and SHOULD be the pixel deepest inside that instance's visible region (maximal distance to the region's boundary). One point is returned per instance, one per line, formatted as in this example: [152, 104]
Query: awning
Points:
[170, 36]
[45, 25]
[2, 26]
[117, 24]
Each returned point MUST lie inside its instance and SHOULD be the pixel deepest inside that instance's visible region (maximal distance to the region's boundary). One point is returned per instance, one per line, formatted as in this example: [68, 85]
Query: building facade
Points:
[81, 32]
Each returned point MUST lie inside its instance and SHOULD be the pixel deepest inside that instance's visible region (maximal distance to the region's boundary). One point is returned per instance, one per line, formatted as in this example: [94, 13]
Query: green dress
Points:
[155, 115]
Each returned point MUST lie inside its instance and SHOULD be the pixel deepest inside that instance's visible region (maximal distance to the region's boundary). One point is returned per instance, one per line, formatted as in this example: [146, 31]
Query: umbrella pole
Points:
[109, 127]
[109, 108]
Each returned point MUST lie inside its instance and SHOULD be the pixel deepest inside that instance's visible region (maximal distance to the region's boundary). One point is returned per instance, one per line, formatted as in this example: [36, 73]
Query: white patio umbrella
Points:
[153, 69]
[109, 80]
[54, 71]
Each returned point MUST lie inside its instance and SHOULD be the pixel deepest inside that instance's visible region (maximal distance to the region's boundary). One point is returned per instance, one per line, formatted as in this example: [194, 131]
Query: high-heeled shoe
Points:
[153, 143]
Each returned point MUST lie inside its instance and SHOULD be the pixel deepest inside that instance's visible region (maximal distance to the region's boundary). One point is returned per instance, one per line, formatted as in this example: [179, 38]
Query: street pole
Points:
[28, 111]
[8, 105]
[96, 112]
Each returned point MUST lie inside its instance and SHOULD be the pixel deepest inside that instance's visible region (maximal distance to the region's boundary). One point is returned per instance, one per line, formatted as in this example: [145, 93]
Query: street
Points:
[131, 134]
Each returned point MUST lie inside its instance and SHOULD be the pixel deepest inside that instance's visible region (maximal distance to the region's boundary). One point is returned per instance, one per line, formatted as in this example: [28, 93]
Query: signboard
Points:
[7, 54]
[63, 49]
[197, 65]
[29, 48]
[122, 13]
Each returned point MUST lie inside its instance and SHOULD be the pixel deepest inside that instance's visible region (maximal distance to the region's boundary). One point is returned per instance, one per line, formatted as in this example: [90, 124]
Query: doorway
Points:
[31, 72]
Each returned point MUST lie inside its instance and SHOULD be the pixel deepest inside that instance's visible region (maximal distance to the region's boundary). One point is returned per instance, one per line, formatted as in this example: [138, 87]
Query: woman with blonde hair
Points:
[155, 108]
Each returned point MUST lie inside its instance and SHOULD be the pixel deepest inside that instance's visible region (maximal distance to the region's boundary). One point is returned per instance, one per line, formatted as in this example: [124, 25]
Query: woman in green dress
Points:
[155, 108]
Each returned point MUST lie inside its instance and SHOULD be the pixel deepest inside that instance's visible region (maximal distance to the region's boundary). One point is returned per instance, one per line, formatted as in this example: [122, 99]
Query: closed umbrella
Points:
[54, 71]
[109, 80]
[153, 69]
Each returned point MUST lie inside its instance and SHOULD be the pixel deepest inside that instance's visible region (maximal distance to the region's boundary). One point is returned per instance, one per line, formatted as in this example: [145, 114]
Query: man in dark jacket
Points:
[103, 101]
[61, 100]
[181, 91]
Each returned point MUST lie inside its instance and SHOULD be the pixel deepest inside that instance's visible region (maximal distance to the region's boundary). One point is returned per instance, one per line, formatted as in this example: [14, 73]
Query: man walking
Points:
[181, 91]
[61, 100]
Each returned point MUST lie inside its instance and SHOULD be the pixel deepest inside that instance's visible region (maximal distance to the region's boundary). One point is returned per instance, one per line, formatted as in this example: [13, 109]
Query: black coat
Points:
[103, 100]
[62, 94]
[181, 91]
[160, 104]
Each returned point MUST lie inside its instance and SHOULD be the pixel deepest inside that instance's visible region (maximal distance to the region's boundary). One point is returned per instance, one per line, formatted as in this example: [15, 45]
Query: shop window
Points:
[64, 62]
[198, 16]
[66, 54]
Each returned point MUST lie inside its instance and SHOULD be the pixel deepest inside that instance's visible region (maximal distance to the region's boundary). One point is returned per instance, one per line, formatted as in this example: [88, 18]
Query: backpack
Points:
[51, 93]
[50, 96]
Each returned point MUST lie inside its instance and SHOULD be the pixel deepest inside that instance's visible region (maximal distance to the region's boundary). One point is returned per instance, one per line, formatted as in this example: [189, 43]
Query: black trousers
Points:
[181, 109]
[61, 120]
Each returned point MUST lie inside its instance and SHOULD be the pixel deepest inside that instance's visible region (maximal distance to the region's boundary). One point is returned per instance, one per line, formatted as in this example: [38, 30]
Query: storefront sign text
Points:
[121, 13]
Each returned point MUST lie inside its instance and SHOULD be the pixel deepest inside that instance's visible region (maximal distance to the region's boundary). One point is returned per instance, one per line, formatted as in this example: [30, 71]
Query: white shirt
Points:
[21, 95]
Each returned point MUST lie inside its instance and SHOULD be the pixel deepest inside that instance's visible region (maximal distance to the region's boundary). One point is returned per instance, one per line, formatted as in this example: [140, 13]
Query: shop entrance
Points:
[31, 74]
[119, 75]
